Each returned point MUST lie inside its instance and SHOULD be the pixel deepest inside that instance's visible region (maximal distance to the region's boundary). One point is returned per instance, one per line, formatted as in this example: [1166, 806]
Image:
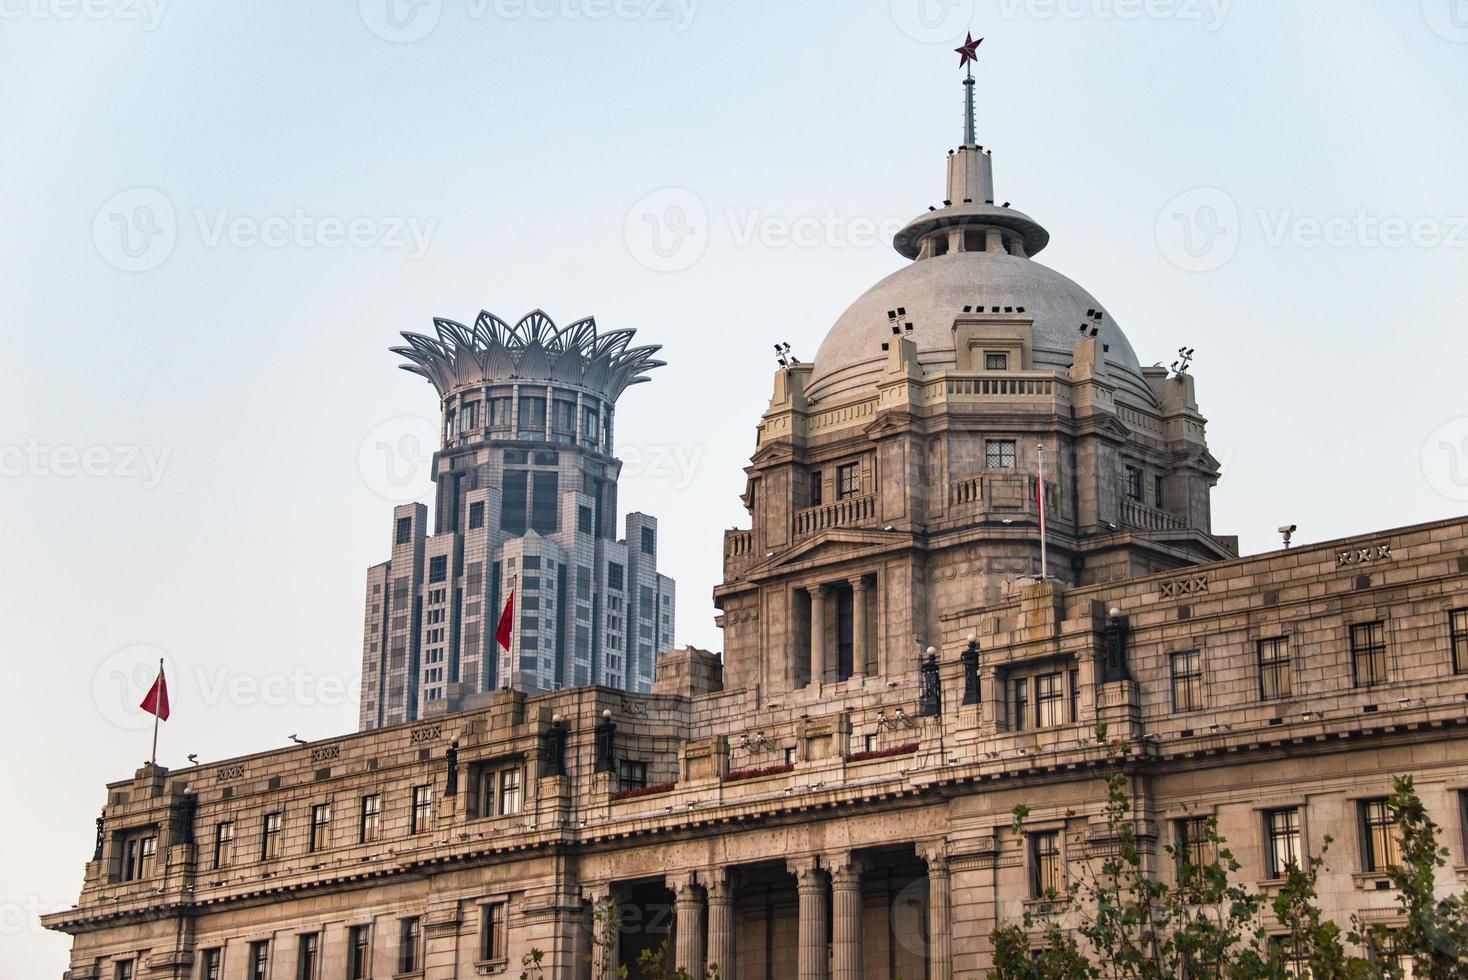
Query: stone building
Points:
[904, 663]
[526, 499]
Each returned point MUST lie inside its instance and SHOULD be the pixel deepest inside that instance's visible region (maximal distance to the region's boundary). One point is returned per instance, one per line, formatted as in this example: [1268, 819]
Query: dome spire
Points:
[968, 53]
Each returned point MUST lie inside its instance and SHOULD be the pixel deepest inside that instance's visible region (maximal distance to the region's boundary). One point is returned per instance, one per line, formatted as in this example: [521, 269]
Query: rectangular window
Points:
[564, 417]
[1385, 954]
[515, 484]
[210, 962]
[848, 481]
[1282, 828]
[615, 579]
[589, 427]
[1274, 668]
[139, 851]
[996, 361]
[1021, 705]
[545, 502]
[1045, 864]
[308, 955]
[649, 541]
[1380, 847]
[814, 499]
[369, 826]
[422, 809]
[438, 568]
[1194, 849]
[509, 791]
[405, 530]
[499, 412]
[1050, 699]
[1458, 630]
[1134, 483]
[320, 827]
[1157, 494]
[532, 416]
[358, 945]
[583, 520]
[469, 418]
[1075, 696]
[410, 945]
[492, 932]
[270, 837]
[1187, 681]
[476, 515]
[258, 961]
[1000, 454]
[1368, 653]
[224, 844]
[123, 970]
[633, 774]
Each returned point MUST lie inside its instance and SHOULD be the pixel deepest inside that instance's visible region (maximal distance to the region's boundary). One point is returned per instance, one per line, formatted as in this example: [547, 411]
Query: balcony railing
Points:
[1138, 515]
[850, 512]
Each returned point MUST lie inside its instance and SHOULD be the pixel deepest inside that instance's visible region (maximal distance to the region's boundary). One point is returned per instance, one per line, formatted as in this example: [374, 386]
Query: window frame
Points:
[318, 835]
[1046, 865]
[369, 818]
[1189, 682]
[359, 952]
[1458, 639]
[848, 480]
[257, 962]
[1276, 666]
[1132, 483]
[1001, 454]
[1294, 833]
[1050, 702]
[1192, 846]
[510, 791]
[1019, 704]
[996, 360]
[420, 809]
[1381, 847]
[211, 963]
[493, 939]
[308, 945]
[1372, 651]
[271, 826]
[410, 944]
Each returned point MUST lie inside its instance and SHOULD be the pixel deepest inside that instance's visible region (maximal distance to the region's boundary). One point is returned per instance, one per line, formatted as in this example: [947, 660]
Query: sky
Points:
[217, 218]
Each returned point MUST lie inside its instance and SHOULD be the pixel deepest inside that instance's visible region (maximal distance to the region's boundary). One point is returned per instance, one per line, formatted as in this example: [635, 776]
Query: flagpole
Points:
[153, 763]
[1040, 506]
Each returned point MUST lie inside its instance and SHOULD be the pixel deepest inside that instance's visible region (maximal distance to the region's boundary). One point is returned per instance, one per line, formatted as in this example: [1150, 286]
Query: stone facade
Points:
[907, 659]
[526, 500]
[760, 819]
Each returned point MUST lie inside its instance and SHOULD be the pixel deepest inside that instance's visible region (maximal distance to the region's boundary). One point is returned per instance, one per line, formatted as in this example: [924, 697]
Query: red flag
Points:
[507, 619]
[156, 703]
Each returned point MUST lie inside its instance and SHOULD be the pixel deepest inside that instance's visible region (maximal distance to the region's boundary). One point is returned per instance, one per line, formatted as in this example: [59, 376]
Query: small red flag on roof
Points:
[156, 703]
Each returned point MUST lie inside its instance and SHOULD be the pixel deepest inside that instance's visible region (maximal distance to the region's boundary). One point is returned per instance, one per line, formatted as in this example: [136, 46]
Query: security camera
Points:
[1287, 532]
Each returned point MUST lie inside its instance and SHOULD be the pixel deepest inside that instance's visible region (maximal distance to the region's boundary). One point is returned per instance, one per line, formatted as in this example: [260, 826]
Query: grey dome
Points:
[935, 290]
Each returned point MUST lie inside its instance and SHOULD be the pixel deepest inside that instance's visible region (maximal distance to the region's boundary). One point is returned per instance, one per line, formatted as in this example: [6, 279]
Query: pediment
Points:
[827, 547]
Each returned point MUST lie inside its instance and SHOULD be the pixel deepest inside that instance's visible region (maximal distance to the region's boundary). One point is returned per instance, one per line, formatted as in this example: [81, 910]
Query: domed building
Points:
[896, 478]
[979, 538]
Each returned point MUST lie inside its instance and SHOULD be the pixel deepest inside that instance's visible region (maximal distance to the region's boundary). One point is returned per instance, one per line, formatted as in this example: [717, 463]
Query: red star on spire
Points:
[969, 51]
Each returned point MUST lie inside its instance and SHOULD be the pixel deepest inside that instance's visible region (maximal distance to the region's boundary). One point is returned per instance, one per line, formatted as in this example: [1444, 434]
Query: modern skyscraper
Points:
[525, 501]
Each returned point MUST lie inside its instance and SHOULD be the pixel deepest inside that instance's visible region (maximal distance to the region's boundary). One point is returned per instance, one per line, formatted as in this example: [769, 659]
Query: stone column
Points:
[810, 884]
[846, 917]
[993, 241]
[606, 933]
[858, 626]
[688, 925]
[818, 635]
[723, 926]
[940, 910]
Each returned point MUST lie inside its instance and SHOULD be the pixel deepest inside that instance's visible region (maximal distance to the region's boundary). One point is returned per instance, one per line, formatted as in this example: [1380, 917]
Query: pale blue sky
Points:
[221, 397]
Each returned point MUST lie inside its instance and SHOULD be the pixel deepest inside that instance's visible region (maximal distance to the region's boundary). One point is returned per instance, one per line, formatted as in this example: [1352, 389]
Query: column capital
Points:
[935, 853]
[817, 591]
[718, 883]
[807, 872]
[858, 583]
[684, 886]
